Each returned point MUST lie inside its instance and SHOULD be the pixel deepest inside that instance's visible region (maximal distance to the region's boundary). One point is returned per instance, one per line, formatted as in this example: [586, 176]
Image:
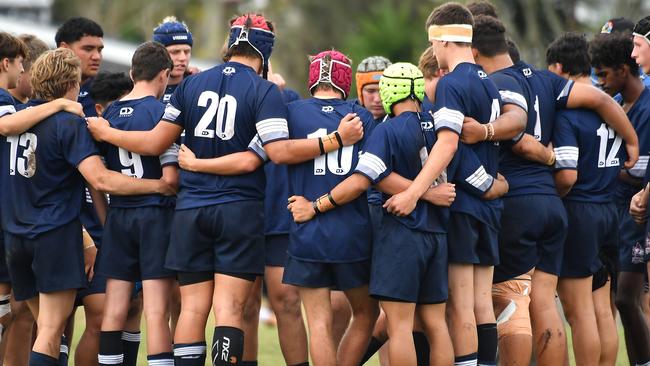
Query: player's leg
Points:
[607, 331]
[486, 326]
[196, 290]
[378, 339]
[251, 322]
[5, 308]
[174, 306]
[365, 311]
[53, 311]
[433, 321]
[628, 302]
[399, 316]
[116, 306]
[88, 346]
[19, 335]
[342, 313]
[285, 302]
[578, 305]
[511, 300]
[131, 335]
[549, 337]
[156, 293]
[319, 321]
[460, 310]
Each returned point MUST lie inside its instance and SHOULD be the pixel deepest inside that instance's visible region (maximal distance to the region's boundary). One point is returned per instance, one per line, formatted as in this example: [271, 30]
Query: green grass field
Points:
[269, 348]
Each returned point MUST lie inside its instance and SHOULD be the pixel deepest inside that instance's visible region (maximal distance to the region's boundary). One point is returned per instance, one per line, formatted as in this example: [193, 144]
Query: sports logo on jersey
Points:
[327, 109]
[482, 74]
[426, 125]
[527, 72]
[126, 111]
[229, 70]
[83, 94]
[167, 97]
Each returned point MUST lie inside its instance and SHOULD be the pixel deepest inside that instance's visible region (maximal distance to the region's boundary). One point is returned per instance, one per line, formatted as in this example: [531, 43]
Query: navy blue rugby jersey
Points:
[86, 101]
[221, 110]
[374, 196]
[545, 94]
[167, 95]
[341, 235]
[41, 184]
[584, 142]
[137, 115]
[7, 106]
[639, 115]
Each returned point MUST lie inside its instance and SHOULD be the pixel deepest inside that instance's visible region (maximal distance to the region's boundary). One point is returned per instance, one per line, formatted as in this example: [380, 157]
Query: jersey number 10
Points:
[338, 162]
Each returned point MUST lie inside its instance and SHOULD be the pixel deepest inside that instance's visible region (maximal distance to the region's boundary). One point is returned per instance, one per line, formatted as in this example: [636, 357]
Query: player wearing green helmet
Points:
[400, 81]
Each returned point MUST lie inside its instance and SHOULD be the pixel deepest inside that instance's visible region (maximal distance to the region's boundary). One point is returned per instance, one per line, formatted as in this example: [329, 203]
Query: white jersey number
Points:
[26, 164]
[338, 162]
[132, 164]
[607, 133]
[224, 109]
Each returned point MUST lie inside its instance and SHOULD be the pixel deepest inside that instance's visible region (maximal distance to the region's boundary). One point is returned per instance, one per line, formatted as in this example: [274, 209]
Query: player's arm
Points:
[639, 205]
[102, 179]
[232, 164]
[498, 189]
[90, 254]
[588, 96]
[567, 153]
[149, 143]
[15, 123]
[508, 126]
[295, 151]
[626, 177]
[439, 195]
[564, 180]
[470, 174]
[531, 149]
[100, 203]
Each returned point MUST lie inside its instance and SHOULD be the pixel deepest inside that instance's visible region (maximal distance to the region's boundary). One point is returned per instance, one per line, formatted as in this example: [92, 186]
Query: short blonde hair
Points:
[54, 73]
[428, 63]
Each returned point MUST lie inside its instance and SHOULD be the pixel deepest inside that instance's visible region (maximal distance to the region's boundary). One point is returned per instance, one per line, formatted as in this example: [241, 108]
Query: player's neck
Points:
[458, 55]
[16, 94]
[4, 81]
[252, 62]
[632, 90]
[175, 80]
[328, 94]
[496, 63]
[408, 105]
[143, 89]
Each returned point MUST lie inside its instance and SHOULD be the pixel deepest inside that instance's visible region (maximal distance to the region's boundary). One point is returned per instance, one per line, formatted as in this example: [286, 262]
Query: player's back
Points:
[140, 114]
[42, 187]
[347, 228]
[221, 111]
[545, 93]
[583, 141]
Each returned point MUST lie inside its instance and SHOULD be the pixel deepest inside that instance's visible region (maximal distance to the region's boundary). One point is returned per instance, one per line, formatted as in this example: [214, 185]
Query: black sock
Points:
[248, 363]
[40, 359]
[227, 346]
[110, 348]
[374, 346]
[189, 354]
[487, 344]
[161, 359]
[421, 348]
[130, 345]
[467, 360]
[64, 350]
[301, 364]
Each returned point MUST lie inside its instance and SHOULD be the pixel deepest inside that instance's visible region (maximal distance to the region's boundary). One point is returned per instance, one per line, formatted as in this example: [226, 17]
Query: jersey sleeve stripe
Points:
[449, 118]
[7, 109]
[170, 156]
[371, 165]
[638, 170]
[565, 91]
[171, 113]
[272, 129]
[566, 157]
[256, 147]
[480, 179]
[514, 98]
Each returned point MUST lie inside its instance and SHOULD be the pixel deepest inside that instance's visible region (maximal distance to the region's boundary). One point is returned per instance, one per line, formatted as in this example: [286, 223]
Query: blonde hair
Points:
[54, 73]
[428, 63]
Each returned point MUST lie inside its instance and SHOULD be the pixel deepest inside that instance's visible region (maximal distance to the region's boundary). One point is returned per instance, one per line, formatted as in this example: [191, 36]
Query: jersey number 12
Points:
[607, 133]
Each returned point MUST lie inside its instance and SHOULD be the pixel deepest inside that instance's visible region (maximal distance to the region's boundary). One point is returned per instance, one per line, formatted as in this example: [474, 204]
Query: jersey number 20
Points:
[224, 108]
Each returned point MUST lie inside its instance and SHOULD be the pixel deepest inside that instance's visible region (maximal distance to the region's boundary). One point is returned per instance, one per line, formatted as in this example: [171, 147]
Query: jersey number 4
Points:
[224, 109]
[338, 162]
[607, 133]
[26, 164]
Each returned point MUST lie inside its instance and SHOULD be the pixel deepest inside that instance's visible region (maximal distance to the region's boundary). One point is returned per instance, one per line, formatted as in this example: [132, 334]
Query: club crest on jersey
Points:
[229, 70]
[527, 72]
[126, 111]
[482, 74]
[327, 109]
[167, 97]
[426, 125]
[83, 94]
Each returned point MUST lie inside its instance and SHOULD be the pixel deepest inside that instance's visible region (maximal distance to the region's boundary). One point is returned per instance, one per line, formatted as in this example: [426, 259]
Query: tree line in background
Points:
[359, 28]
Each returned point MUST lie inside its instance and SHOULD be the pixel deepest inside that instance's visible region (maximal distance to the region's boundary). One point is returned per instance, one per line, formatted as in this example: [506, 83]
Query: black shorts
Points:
[51, 262]
[4, 270]
[225, 238]
[471, 241]
[276, 250]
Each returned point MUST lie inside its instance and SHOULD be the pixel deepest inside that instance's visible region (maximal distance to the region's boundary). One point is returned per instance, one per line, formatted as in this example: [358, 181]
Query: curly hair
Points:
[571, 50]
[613, 50]
[489, 36]
[54, 73]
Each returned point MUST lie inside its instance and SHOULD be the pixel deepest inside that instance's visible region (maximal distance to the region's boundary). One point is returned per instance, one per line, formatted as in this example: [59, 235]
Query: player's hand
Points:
[70, 106]
[473, 131]
[350, 129]
[639, 206]
[441, 195]
[166, 188]
[90, 255]
[193, 70]
[632, 155]
[186, 158]
[401, 204]
[97, 127]
[301, 209]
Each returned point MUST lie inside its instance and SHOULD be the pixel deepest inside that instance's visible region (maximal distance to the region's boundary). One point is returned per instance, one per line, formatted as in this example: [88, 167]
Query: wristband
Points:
[314, 205]
[320, 145]
[490, 130]
[487, 132]
[329, 197]
[551, 160]
[338, 138]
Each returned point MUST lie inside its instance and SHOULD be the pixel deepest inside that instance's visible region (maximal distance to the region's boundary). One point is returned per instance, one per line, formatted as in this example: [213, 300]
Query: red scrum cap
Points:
[331, 67]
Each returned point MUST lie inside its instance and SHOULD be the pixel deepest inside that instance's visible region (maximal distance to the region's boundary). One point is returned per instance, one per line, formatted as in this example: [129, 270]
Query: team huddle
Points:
[434, 219]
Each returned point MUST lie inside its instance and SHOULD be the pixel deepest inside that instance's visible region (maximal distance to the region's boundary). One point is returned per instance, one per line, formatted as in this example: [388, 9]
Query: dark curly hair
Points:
[482, 7]
[613, 50]
[489, 36]
[572, 51]
[109, 86]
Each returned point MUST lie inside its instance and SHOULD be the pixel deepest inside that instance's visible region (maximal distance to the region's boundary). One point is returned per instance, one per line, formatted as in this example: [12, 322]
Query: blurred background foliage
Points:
[359, 28]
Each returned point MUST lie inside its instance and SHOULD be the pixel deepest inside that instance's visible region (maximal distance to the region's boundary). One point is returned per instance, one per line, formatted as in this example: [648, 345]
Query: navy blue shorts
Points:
[471, 241]
[224, 238]
[51, 262]
[4, 270]
[533, 231]
[593, 226]
[276, 250]
[336, 276]
[376, 214]
[135, 243]
[409, 265]
[631, 241]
